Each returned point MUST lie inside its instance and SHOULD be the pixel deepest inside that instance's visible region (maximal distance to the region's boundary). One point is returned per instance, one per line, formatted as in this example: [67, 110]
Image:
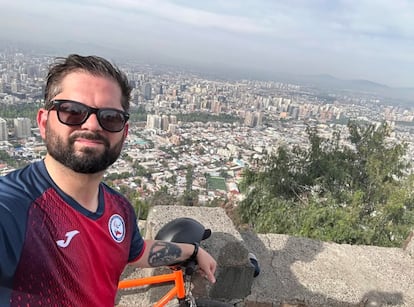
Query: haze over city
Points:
[370, 40]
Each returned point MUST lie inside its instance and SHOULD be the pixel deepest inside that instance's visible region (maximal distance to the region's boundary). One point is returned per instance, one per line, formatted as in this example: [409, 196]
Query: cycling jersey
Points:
[54, 252]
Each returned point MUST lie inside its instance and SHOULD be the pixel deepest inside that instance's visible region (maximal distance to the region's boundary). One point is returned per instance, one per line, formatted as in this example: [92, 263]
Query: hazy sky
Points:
[361, 39]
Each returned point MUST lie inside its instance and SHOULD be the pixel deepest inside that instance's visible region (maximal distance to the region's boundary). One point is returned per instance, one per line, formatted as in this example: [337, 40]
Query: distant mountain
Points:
[328, 82]
[323, 82]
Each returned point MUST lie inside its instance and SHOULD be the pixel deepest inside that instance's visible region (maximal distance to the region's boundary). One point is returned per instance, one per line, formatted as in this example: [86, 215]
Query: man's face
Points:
[85, 148]
[87, 160]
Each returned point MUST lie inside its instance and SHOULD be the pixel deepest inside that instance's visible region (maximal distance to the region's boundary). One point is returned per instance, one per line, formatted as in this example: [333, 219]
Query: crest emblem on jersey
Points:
[116, 226]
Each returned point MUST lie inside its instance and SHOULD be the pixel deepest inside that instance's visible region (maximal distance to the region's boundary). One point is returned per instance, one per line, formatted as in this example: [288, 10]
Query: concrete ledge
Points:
[302, 272]
[295, 272]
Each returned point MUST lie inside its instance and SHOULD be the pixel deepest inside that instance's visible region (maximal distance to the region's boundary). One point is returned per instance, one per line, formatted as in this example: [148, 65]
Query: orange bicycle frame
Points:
[176, 276]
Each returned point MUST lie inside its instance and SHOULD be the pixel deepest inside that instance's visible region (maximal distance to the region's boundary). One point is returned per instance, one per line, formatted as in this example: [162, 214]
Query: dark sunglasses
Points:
[73, 113]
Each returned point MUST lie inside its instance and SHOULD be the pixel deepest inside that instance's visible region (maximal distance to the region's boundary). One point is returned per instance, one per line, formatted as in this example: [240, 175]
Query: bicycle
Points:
[180, 230]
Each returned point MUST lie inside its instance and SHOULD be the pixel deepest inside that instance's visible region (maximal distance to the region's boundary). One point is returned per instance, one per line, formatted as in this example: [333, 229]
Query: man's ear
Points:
[126, 130]
[42, 116]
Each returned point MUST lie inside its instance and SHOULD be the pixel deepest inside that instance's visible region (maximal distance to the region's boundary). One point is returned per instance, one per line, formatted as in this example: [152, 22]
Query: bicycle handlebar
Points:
[190, 267]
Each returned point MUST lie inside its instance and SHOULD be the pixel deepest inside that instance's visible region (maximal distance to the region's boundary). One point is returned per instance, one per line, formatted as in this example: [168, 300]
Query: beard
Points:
[86, 160]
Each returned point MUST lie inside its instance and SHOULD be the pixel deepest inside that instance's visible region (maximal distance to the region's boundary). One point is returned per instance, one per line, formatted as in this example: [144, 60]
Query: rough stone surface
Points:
[295, 272]
[304, 272]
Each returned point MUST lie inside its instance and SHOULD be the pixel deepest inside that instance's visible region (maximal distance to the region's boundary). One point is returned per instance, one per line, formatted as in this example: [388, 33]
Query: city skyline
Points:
[370, 40]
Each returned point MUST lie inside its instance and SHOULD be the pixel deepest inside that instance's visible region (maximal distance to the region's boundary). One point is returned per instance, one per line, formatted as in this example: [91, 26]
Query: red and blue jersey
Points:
[54, 252]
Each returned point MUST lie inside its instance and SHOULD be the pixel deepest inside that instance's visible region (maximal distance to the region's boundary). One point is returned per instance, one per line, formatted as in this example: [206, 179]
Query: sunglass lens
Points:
[111, 120]
[72, 113]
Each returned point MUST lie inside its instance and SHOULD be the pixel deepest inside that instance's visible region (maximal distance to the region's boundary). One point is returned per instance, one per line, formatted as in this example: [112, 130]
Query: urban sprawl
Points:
[246, 120]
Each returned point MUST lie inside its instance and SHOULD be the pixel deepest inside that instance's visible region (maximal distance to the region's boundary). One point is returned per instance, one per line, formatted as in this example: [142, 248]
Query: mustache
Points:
[89, 136]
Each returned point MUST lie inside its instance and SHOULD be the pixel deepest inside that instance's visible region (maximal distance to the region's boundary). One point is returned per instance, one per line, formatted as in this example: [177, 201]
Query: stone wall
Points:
[294, 271]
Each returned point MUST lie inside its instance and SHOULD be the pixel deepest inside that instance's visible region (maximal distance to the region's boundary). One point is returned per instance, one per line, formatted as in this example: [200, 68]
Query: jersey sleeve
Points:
[137, 242]
[12, 228]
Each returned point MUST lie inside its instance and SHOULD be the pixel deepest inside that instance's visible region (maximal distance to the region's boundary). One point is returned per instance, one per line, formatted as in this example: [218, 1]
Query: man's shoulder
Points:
[26, 182]
[22, 175]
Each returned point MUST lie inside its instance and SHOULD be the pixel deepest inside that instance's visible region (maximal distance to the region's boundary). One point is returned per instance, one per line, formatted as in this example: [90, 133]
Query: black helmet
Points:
[183, 230]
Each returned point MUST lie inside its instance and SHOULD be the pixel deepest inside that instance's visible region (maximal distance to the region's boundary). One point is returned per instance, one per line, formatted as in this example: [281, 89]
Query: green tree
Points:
[189, 198]
[162, 198]
[141, 208]
[189, 178]
[355, 193]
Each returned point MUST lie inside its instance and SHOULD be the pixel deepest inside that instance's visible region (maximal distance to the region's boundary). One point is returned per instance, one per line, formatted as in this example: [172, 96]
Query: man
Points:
[65, 237]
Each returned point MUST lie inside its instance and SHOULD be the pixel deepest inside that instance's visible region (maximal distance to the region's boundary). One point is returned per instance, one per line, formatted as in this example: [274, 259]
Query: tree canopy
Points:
[356, 190]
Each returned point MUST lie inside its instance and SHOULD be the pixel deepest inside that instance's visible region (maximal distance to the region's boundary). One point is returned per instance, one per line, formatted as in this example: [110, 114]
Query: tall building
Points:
[164, 122]
[22, 127]
[294, 112]
[150, 121]
[15, 86]
[173, 119]
[147, 91]
[249, 119]
[259, 118]
[2, 86]
[215, 106]
[153, 121]
[3, 130]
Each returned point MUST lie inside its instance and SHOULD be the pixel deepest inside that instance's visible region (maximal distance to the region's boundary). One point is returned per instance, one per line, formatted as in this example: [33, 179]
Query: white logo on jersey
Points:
[69, 236]
[116, 227]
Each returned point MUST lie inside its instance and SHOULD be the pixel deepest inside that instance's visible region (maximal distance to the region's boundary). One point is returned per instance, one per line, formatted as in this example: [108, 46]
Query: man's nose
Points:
[92, 123]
